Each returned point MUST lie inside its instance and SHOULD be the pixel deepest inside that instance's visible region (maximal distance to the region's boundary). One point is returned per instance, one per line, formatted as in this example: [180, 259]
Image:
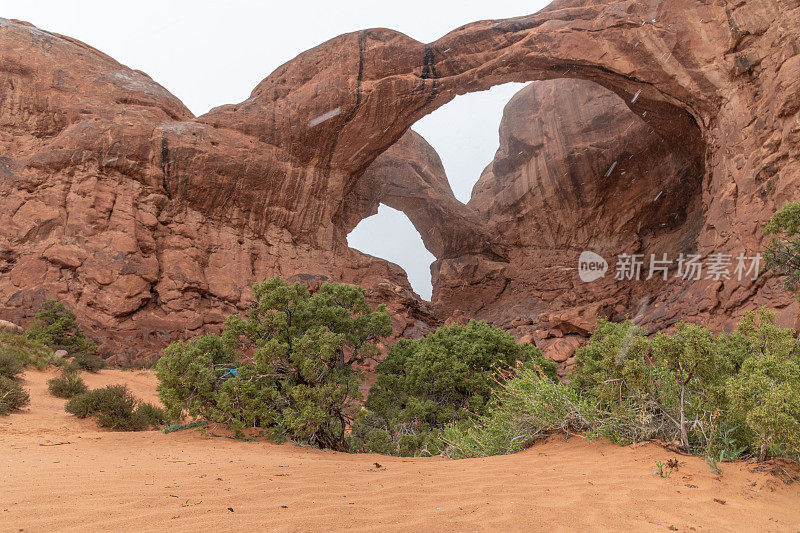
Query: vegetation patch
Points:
[15, 354]
[10, 366]
[154, 415]
[116, 408]
[55, 326]
[67, 385]
[88, 362]
[27, 351]
[439, 379]
[782, 255]
[290, 368]
[523, 409]
[171, 428]
[12, 396]
[724, 396]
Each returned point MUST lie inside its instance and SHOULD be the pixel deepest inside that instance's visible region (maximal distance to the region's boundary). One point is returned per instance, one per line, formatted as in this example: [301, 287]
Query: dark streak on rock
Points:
[429, 64]
[352, 113]
[165, 164]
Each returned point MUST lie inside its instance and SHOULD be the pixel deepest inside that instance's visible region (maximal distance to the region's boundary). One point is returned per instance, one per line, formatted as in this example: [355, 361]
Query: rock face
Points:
[576, 170]
[96, 209]
[669, 127]
[409, 176]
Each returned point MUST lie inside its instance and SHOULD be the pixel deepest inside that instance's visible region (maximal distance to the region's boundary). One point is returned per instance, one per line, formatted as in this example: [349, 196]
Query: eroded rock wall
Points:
[153, 223]
[95, 210]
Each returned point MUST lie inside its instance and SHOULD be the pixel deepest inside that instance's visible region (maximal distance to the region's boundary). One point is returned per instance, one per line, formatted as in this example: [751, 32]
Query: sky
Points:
[208, 55]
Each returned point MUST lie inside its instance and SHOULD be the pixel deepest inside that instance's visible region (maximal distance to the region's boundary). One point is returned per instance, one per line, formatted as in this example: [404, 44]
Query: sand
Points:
[61, 473]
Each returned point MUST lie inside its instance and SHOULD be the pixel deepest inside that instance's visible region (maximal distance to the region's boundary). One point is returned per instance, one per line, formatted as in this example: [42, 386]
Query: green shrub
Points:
[758, 334]
[115, 408]
[67, 385]
[427, 383]
[26, 351]
[765, 394]
[191, 373]
[782, 255]
[523, 409]
[719, 396]
[155, 416]
[613, 350]
[87, 361]
[290, 368]
[676, 380]
[12, 396]
[10, 366]
[55, 326]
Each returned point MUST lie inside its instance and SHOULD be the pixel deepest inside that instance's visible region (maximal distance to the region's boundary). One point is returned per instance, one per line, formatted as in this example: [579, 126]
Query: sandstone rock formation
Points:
[409, 176]
[576, 170]
[94, 208]
[152, 223]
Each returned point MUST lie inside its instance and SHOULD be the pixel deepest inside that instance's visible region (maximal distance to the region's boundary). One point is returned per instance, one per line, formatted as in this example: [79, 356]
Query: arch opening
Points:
[390, 235]
[571, 151]
[576, 167]
[464, 133]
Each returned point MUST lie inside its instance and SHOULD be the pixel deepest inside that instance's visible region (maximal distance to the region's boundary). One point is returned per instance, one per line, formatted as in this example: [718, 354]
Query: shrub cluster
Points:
[12, 396]
[87, 361]
[722, 396]
[68, 385]
[28, 352]
[116, 408]
[290, 368]
[55, 326]
[426, 383]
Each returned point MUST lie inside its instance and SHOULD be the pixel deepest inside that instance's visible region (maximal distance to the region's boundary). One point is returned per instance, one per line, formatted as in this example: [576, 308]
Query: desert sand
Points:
[61, 473]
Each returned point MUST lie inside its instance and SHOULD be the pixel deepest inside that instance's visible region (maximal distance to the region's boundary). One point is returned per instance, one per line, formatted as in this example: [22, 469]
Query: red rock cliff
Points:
[153, 223]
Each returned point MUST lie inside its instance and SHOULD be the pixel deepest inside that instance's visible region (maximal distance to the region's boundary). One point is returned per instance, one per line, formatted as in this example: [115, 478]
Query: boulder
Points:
[10, 327]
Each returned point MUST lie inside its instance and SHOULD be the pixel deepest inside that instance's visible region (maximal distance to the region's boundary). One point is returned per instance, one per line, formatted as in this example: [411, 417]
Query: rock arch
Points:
[153, 222]
[381, 81]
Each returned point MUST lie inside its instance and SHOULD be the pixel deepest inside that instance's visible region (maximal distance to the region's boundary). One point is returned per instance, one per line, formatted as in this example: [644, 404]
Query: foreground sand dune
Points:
[62, 473]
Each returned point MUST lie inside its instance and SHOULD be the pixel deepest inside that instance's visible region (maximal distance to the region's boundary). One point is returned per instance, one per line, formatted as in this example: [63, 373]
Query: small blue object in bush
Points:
[230, 373]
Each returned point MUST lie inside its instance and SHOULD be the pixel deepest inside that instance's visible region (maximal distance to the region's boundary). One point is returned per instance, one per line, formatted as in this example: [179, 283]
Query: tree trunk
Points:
[684, 433]
[762, 453]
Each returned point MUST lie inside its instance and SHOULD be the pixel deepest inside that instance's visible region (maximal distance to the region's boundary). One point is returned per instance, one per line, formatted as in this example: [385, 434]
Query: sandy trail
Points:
[62, 473]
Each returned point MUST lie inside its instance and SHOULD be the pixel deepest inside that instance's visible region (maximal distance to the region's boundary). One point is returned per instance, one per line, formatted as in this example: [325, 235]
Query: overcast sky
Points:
[209, 53]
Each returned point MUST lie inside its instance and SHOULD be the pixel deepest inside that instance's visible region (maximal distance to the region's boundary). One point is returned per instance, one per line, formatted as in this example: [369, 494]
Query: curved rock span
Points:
[654, 127]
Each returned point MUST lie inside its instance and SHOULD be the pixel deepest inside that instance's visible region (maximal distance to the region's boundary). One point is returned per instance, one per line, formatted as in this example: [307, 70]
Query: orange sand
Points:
[62, 473]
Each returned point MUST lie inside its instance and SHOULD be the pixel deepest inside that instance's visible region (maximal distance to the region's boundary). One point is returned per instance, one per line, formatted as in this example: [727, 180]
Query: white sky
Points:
[208, 55]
